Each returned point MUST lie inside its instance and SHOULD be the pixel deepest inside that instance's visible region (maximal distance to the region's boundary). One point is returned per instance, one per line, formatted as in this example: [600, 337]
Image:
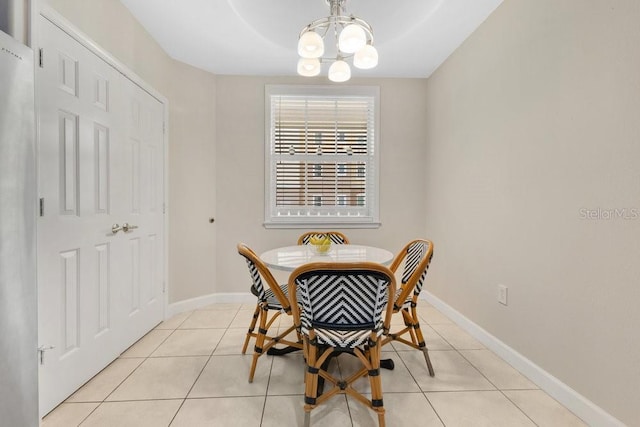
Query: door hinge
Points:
[41, 206]
[164, 128]
[41, 57]
[164, 208]
[41, 351]
[164, 286]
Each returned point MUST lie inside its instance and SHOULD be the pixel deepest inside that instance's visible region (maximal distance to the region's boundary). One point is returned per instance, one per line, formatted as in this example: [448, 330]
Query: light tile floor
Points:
[189, 371]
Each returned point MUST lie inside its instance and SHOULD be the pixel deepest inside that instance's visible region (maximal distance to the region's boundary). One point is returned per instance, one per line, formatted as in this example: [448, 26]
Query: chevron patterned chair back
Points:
[336, 237]
[417, 257]
[342, 307]
[272, 302]
[413, 262]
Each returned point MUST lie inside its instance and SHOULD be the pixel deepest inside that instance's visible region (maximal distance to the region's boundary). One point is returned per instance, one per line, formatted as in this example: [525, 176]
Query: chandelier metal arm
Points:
[325, 24]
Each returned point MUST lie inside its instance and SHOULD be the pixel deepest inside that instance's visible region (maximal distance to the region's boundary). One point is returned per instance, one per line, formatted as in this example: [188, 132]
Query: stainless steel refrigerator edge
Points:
[18, 295]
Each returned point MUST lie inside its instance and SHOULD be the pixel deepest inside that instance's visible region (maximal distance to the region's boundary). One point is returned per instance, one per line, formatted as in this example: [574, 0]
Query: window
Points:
[321, 162]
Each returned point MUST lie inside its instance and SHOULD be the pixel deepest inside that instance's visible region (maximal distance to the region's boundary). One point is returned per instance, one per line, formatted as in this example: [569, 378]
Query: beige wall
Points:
[191, 94]
[112, 27]
[192, 183]
[240, 171]
[532, 120]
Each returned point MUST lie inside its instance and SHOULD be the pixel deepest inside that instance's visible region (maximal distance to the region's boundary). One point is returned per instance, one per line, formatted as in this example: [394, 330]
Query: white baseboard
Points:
[588, 411]
[203, 301]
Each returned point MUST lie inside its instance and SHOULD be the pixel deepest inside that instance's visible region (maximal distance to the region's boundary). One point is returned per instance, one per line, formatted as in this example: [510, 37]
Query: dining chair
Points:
[414, 259]
[272, 302]
[336, 237]
[341, 308]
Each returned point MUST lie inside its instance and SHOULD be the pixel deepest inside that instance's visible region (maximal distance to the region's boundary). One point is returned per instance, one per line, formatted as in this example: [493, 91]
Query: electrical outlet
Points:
[502, 294]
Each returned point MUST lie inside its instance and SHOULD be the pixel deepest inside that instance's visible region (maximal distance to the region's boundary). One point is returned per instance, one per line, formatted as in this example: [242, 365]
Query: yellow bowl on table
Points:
[321, 245]
[322, 249]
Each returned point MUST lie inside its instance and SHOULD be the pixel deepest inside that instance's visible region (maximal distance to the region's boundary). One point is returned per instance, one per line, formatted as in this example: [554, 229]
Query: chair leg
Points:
[381, 422]
[254, 363]
[252, 327]
[262, 330]
[410, 323]
[376, 384]
[311, 381]
[425, 351]
[421, 343]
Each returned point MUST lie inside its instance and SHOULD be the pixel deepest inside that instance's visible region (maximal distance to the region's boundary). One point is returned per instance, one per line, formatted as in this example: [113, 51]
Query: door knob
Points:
[115, 228]
[127, 227]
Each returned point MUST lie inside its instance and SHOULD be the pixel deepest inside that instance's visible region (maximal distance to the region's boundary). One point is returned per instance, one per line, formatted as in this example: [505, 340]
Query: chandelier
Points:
[353, 38]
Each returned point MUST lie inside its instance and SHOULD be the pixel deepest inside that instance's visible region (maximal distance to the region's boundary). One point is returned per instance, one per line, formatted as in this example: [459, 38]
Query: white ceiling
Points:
[259, 37]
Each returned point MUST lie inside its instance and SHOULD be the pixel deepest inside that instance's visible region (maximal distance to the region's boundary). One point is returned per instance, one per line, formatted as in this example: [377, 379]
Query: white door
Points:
[98, 291]
[141, 206]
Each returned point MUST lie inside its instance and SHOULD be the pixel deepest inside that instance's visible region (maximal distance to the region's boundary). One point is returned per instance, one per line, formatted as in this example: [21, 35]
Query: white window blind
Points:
[322, 165]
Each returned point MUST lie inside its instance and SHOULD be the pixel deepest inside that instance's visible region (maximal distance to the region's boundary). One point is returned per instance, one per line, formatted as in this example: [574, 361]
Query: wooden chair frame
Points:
[301, 239]
[316, 355]
[410, 314]
[262, 314]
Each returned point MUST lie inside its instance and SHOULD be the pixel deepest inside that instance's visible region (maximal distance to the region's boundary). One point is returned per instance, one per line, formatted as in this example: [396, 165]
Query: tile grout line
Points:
[487, 378]
[346, 399]
[101, 402]
[420, 388]
[519, 408]
[137, 367]
[497, 388]
[484, 376]
[452, 348]
[266, 390]
[201, 371]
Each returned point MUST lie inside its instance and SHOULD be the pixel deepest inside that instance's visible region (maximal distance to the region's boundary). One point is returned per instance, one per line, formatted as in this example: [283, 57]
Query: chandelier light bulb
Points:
[366, 58]
[310, 45]
[352, 38]
[339, 72]
[309, 67]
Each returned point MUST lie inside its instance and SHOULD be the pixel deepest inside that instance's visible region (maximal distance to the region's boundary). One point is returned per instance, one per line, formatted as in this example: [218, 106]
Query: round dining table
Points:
[288, 258]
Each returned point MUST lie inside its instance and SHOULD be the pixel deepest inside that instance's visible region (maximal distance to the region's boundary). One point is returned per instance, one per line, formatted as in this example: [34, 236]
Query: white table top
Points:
[289, 258]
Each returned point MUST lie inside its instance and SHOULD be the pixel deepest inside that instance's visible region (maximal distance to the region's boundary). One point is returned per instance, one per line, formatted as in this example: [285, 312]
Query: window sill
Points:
[321, 224]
